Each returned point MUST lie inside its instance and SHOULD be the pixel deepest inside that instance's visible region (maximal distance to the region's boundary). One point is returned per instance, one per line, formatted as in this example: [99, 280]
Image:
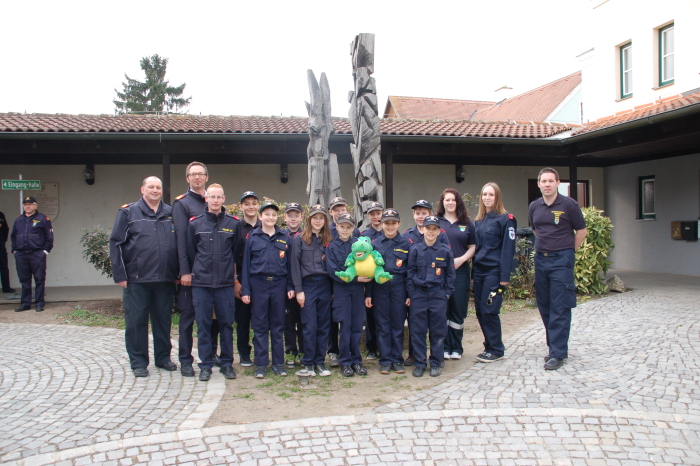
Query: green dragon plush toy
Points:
[364, 261]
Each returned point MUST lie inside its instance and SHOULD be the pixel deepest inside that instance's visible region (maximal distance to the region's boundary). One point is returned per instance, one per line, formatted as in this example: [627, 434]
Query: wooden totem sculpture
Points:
[364, 118]
[324, 178]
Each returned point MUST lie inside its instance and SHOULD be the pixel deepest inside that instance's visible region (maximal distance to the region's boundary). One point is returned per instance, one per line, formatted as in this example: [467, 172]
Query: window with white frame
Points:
[666, 55]
[647, 198]
[626, 70]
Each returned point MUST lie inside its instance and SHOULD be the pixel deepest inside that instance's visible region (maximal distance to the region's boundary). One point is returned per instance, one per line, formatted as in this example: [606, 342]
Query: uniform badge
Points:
[433, 266]
[281, 254]
[462, 227]
[557, 214]
[511, 233]
[438, 271]
[323, 257]
[399, 262]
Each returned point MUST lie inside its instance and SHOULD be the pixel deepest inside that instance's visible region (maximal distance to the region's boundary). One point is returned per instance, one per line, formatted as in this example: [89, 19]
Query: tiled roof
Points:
[41, 123]
[641, 111]
[425, 108]
[534, 105]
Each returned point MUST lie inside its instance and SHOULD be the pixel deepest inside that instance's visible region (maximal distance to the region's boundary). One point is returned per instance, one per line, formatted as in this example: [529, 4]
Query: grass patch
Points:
[90, 318]
[245, 396]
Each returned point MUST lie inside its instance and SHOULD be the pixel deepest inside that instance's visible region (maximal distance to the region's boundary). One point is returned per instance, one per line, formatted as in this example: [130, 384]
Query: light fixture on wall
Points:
[284, 172]
[89, 173]
[459, 173]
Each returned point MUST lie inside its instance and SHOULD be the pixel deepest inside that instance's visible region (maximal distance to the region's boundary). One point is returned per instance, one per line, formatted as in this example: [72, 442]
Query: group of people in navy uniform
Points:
[282, 282]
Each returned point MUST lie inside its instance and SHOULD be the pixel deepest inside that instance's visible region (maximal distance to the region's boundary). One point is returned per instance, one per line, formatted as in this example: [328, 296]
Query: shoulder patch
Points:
[193, 217]
[235, 217]
[410, 240]
[47, 218]
[124, 206]
[327, 245]
[443, 230]
[246, 236]
[510, 216]
[179, 197]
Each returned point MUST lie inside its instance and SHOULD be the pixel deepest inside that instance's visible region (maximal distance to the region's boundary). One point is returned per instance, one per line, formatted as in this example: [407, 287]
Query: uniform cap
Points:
[29, 200]
[293, 206]
[390, 214]
[345, 218]
[431, 220]
[424, 204]
[317, 209]
[375, 206]
[269, 205]
[249, 194]
[338, 201]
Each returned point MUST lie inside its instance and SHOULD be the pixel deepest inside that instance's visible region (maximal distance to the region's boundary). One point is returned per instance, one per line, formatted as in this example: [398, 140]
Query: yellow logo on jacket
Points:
[557, 214]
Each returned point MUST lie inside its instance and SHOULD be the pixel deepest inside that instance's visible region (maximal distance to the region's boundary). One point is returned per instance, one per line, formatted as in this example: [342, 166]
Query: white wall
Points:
[646, 245]
[82, 206]
[616, 22]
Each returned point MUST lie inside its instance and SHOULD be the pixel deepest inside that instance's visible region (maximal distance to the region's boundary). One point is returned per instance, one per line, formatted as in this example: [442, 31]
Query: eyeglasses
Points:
[200, 174]
[216, 198]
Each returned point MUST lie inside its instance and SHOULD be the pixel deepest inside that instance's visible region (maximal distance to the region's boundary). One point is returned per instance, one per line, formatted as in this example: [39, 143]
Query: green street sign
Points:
[21, 184]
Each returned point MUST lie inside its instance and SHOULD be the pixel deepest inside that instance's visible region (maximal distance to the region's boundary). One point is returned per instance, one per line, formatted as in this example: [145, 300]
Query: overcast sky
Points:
[250, 58]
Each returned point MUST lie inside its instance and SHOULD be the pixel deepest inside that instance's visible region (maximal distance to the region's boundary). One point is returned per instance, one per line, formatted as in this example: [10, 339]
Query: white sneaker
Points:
[455, 356]
[447, 355]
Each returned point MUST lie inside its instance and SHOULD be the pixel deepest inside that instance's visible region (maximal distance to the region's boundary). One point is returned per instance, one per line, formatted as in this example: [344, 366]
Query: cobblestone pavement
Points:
[627, 395]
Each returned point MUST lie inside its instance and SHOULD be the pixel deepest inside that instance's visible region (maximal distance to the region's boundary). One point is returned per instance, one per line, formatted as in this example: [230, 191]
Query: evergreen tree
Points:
[154, 94]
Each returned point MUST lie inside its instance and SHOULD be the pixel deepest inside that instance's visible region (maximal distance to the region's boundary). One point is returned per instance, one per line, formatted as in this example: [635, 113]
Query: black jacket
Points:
[4, 229]
[143, 248]
[185, 207]
[33, 233]
[211, 243]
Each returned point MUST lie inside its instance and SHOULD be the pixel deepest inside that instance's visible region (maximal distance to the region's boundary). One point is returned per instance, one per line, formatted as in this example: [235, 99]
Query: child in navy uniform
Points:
[431, 277]
[293, 328]
[348, 298]
[389, 299]
[374, 211]
[266, 283]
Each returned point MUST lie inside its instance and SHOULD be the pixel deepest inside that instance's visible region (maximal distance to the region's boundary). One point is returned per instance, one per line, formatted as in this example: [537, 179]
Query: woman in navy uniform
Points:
[495, 247]
[454, 220]
[389, 299]
[430, 283]
[348, 298]
[313, 289]
[266, 283]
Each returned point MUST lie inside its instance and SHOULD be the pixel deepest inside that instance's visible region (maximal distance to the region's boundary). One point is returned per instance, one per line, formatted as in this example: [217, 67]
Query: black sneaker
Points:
[371, 355]
[322, 370]
[228, 372]
[168, 366]
[385, 369]
[359, 369]
[186, 370]
[279, 370]
[246, 362]
[418, 371]
[333, 360]
[205, 375]
[434, 371]
[217, 361]
[488, 357]
[39, 308]
[140, 372]
[23, 308]
[260, 372]
[553, 364]
[398, 368]
[347, 371]
[310, 370]
[409, 361]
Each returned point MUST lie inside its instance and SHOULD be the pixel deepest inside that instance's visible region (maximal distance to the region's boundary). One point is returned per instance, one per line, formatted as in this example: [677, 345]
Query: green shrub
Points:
[522, 281]
[95, 242]
[592, 257]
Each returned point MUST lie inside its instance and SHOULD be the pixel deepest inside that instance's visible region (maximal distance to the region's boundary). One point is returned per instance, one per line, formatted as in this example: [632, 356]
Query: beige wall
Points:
[82, 206]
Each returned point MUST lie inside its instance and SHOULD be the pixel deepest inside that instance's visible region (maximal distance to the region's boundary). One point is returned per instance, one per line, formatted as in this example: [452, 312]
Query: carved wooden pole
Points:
[364, 119]
[324, 179]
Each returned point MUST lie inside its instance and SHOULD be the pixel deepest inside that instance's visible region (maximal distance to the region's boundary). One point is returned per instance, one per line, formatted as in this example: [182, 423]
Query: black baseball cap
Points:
[317, 209]
[338, 201]
[249, 194]
[29, 200]
[345, 218]
[390, 214]
[424, 204]
[375, 206]
[293, 206]
[431, 220]
[269, 205]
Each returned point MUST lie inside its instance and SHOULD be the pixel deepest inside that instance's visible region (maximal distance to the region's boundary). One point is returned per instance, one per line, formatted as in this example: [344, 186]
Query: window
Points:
[646, 198]
[666, 55]
[626, 70]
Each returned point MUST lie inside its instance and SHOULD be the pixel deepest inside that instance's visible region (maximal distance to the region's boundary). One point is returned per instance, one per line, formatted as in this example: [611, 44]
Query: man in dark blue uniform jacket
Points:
[32, 241]
[143, 251]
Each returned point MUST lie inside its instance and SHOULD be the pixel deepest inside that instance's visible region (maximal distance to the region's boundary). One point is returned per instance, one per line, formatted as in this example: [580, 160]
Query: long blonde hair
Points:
[324, 234]
[497, 206]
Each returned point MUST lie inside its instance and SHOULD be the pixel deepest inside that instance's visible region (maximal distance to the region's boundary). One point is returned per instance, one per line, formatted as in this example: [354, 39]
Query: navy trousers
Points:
[187, 318]
[267, 318]
[243, 328]
[221, 301]
[485, 281]
[457, 311]
[389, 305]
[316, 318]
[141, 301]
[428, 314]
[293, 328]
[556, 295]
[31, 264]
[333, 338]
[371, 343]
[4, 270]
[349, 312]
